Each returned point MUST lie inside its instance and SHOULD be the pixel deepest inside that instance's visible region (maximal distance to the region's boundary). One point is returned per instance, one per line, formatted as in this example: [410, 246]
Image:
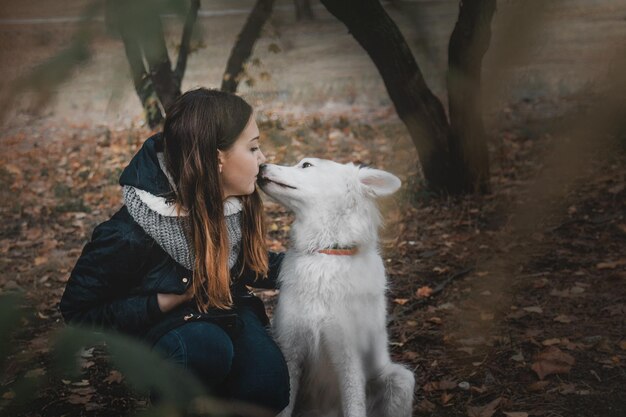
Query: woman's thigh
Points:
[202, 347]
[258, 373]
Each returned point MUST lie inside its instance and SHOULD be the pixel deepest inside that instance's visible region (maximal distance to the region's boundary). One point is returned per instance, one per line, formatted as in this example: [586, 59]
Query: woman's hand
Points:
[168, 302]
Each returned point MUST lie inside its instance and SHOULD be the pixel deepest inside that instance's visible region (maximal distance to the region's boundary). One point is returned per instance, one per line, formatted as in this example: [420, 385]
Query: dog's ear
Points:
[379, 182]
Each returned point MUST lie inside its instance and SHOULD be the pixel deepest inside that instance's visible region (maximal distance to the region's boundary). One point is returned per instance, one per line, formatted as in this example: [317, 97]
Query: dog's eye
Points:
[307, 164]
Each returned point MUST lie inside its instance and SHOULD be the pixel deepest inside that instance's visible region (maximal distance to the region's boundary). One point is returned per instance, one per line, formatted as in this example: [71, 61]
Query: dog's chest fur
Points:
[326, 296]
[332, 281]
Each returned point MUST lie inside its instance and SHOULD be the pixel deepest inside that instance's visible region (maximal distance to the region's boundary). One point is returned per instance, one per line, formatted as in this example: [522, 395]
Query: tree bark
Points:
[183, 52]
[152, 41]
[142, 82]
[139, 25]
[468, 44]
[245, 42]
[303, 10]
[419, 109]
[119, 18]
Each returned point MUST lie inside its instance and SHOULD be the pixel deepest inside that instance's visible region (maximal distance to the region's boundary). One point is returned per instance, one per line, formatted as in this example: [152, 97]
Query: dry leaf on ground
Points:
[114, 377]
[424, 292]
[439, 385]
[552, 361]
[485, 410]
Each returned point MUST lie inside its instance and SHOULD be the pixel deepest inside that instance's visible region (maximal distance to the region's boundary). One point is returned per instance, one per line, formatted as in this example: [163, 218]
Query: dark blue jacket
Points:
[120, 271]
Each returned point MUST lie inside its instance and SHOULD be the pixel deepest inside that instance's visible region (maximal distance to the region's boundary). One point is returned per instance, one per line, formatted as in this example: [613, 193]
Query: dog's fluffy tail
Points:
[391, 393]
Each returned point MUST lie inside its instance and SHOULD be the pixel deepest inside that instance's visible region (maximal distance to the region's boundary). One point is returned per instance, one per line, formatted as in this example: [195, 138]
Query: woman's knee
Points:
[201, 347]
[269, 391]
[260, 374]
[266, 386]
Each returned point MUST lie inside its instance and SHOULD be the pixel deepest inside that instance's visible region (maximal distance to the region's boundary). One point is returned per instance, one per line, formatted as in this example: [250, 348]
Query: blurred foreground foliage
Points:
[178, 391]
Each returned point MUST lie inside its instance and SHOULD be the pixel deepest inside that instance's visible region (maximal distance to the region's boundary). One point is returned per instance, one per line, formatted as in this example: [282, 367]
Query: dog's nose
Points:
[262, 168]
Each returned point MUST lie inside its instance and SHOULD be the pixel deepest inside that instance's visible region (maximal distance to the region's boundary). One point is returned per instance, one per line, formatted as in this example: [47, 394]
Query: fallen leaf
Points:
[9, 395]
[562, 318]
[446, 397]
[439, 386]
[473, 341]
[616, 189]
[616, 309]
[516, 315]
[552, 361]
[538, 386]
[622, 345]
[114, 377]
[410, 356]
[86, 364]
[401, 301]
[551, 342]
[533, 309]
[611, 264]
[33, 373]
[81, 395]
[486, 316]
[93, 406]
[82, 383]
[424, 292]
[485, 410]
[86, 353]
[479, 390]
[566, 388]
[426, 406]
[78, 399]
[577, 290]
[515, 414]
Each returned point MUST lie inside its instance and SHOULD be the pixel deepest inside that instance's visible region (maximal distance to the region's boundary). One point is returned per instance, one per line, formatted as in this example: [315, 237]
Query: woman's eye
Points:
[254, 149]
[306, 165]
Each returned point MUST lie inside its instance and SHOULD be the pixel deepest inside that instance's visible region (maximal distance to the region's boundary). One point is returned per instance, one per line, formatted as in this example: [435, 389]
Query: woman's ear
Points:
[220, 155]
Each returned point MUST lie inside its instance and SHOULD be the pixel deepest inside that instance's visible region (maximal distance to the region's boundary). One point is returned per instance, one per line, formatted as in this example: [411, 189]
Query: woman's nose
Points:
[262, 158]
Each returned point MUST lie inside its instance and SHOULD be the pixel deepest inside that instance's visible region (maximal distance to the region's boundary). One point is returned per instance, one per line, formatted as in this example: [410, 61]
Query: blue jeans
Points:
[248, 368]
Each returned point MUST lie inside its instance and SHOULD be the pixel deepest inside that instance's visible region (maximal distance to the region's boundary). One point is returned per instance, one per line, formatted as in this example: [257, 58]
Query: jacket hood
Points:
[144, 172]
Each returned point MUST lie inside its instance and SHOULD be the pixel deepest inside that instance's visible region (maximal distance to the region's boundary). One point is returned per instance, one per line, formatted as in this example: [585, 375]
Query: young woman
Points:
[172, 265]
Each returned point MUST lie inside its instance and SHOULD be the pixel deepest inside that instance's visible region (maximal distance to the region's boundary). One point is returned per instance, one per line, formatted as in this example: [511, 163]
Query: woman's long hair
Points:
[198, 124]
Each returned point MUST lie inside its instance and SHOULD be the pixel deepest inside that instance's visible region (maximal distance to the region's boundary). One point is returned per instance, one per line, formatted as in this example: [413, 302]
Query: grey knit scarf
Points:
[172, 232]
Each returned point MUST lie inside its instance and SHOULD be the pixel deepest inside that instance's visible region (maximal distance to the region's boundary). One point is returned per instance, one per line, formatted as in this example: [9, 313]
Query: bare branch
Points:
[245, 42]
[190, 21]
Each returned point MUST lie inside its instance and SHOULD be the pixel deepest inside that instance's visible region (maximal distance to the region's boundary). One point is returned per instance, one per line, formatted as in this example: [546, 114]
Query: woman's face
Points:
[240, 164]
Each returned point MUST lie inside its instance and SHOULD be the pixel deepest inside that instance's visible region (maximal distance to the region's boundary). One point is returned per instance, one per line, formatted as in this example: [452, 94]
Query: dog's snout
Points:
[262, 168]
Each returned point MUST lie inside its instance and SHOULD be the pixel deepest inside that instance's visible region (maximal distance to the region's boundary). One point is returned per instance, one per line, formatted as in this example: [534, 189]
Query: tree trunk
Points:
[468, 44]
[119, 18]
[152, 41]
[303, 10]
[419, 109]
[142, 82]
[139, 25]
[245, 42]
[183, 52]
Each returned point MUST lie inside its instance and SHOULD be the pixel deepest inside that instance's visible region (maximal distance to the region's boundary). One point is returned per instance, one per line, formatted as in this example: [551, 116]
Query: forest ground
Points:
[503, 304]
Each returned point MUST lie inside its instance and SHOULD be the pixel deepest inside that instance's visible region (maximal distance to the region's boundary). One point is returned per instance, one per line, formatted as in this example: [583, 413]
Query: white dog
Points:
[330, 321]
